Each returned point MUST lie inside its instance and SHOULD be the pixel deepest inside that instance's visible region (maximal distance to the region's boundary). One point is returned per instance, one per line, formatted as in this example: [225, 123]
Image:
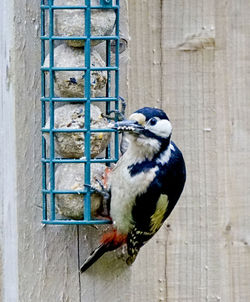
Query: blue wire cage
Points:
[48, 101]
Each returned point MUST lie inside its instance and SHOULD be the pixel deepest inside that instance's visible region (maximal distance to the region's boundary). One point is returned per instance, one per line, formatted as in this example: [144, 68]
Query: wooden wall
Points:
[192, 59]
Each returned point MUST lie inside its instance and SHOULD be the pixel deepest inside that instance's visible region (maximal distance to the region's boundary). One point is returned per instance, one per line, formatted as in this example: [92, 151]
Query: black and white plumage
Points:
[145, 184]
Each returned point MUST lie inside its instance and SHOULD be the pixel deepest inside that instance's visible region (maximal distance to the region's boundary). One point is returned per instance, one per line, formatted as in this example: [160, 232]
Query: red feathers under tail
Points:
[109, 242]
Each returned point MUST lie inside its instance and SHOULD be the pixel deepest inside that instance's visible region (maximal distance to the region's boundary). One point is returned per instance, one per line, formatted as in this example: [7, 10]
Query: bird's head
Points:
[148, 128]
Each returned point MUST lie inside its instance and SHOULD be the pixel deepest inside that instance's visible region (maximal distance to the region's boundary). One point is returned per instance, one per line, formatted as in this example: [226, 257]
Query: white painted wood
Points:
[8, 197]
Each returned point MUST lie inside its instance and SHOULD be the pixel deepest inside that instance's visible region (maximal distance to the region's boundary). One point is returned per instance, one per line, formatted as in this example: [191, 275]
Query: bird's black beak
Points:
[129, 126]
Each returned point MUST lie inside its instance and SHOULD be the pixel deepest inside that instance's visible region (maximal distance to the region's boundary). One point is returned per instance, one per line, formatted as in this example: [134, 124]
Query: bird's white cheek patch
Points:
[163, 128]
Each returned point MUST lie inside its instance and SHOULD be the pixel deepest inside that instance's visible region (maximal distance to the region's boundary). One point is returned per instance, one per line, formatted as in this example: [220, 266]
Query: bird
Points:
[145, 184]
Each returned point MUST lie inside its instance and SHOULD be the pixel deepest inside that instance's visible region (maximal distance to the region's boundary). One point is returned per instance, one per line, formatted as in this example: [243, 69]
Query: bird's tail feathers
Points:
[94, 256]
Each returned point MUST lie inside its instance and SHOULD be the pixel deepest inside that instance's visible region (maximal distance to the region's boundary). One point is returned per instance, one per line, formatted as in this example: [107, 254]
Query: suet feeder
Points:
[77, 142]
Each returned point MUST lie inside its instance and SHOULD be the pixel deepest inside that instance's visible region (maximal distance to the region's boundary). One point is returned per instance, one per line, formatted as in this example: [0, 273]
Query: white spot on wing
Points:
[165, 156]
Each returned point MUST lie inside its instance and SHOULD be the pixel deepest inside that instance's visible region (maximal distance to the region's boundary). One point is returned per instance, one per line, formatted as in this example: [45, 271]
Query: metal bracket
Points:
[106, 3]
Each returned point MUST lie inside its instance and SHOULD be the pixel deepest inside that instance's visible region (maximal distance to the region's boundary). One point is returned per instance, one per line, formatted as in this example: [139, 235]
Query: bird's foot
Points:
[106, 198]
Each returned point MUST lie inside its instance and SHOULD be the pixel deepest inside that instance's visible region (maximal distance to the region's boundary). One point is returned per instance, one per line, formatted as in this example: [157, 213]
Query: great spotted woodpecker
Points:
[145, 184]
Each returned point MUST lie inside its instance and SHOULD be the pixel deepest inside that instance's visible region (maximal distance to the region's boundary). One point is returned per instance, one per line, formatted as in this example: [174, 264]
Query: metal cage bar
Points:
[51, 110]
[50, 160]
[117, 30]
[44, 174]
[43, 6]
[87, 47]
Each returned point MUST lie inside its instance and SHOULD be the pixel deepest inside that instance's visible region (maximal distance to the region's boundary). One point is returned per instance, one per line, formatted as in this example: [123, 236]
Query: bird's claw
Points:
[106, 197]
[104, 192]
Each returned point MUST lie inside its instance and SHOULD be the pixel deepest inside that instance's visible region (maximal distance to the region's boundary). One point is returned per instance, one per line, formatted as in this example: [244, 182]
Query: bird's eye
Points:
[153, 121]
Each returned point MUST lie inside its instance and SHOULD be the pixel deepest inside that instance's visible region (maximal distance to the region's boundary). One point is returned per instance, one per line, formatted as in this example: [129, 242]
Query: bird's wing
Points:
[173, 178]
[155, 205]
[148, 215]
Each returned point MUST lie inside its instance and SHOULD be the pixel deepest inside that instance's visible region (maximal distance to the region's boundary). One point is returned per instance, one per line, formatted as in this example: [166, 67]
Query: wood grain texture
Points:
[205, 93]
[145, 28]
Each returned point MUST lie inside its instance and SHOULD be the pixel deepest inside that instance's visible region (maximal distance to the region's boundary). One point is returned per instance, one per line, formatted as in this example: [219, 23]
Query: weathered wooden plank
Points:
[195, 93]
[204, 88]
[234, 133]
[189, 90]
[47, 256]
[145, 81]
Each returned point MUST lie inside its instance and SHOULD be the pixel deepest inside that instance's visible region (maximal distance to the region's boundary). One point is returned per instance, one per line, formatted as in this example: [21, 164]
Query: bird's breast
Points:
[124, 190]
